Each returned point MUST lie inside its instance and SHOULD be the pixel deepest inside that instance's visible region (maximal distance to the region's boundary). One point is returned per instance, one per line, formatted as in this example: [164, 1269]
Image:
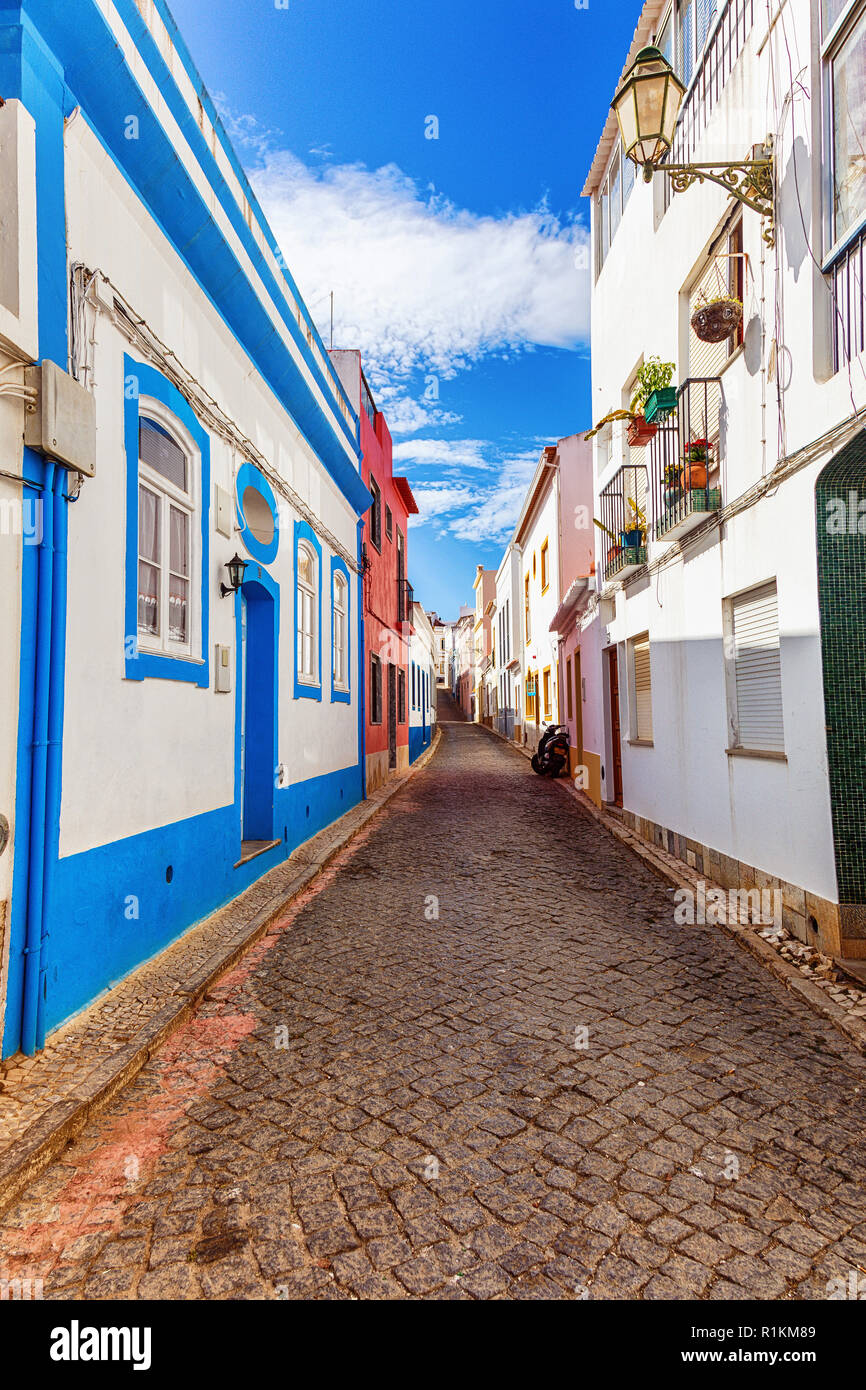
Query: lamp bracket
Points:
[751, 181]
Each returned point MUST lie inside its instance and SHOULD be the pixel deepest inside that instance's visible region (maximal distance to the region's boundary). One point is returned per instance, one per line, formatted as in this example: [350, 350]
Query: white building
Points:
[735, 644]
[422, 682]
[443, 647]
[184, 738]
[508, 645]
[537, 537]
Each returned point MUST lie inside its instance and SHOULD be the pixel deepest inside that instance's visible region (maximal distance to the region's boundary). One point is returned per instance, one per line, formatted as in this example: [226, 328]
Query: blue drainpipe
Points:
[362, 667]
[56, 681]
[39, 771]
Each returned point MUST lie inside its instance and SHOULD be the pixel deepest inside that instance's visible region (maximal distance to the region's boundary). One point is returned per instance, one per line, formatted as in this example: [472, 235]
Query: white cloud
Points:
[495, 515]
[406, 415]
[485, 509]
[437, 501]
[420, 284]
[446, 453]
[425, 289]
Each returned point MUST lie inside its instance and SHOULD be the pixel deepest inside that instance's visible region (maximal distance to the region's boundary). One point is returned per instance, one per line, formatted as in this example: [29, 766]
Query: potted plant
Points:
[714, 320]
[634, 534]
[615, 550]
[673, 487]
[654, 397]
[698, 460]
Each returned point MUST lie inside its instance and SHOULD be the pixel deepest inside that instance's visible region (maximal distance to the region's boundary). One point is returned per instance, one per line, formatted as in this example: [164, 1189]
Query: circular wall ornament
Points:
[258, 516]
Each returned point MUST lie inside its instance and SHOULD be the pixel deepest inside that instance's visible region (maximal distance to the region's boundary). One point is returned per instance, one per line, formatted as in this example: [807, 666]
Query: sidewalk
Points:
[800, 968]
[45, 1100]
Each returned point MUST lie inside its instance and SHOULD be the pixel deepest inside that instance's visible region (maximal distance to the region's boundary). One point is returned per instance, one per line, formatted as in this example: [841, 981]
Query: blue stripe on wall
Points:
[117, 900]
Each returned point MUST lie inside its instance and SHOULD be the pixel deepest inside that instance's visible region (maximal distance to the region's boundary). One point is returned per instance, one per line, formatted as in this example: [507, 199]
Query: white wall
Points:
[771, 815]
[136, 774]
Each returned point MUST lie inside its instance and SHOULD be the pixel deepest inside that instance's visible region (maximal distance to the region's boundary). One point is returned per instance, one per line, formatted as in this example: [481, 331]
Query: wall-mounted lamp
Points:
[236, 568]
[647, 106]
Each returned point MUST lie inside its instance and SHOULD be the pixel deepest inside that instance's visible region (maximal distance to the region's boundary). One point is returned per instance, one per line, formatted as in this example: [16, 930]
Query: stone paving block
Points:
[430, 1131]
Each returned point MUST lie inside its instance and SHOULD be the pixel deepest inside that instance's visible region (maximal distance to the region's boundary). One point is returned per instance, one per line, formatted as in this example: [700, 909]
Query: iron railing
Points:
[713, 69]
[367, 401]
[684, 469]
[405, 599]
[623, 505]
[848, 286]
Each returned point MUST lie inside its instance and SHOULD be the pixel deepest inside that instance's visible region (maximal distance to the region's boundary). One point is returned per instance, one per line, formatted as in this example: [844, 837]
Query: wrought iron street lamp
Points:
[647, 106]
[237, 569]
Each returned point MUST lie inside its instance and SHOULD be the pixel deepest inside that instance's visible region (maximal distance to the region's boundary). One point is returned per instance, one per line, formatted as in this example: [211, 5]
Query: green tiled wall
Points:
[840, 498]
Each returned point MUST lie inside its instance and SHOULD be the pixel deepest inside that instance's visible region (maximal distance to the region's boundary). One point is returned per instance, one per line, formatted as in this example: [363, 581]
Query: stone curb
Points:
[46, 1138]
[673, 871]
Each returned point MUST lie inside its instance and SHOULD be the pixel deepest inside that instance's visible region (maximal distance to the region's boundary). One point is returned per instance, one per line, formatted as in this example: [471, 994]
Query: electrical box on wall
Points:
[223, 509]
[63, 424]
[223, 668]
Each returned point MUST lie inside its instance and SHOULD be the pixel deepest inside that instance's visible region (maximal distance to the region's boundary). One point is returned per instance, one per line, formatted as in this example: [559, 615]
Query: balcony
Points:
[729, 32]
[623, 521]
[405, 599]
[849, 302]
[684, 460]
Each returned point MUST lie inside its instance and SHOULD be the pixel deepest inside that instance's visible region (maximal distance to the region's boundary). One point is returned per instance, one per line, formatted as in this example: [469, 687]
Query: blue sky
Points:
[458, 263]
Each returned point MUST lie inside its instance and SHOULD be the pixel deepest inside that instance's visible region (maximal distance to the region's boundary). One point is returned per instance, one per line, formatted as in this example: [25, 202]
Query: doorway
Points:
[840, 498]
[615, 738]
[258, 716]
[392, 715]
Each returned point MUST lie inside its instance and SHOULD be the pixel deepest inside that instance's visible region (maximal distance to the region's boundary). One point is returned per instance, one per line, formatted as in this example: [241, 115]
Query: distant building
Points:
[388, 595]
[422, 683]
[482, 641]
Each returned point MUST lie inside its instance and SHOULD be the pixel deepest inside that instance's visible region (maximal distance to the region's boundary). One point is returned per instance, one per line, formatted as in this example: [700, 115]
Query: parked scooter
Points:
[551, 756]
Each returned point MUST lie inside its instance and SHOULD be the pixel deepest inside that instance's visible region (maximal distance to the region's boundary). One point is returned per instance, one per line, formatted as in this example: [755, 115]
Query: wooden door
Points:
[616, 745]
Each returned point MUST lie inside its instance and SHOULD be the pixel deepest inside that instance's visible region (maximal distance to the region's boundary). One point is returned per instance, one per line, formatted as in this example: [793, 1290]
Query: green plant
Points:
[654, 375]
[607, 419]
[601, 526]
[704, 301]
[635, 519]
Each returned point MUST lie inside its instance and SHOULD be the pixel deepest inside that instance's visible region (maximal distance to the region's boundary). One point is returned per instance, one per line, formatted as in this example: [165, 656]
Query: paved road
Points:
[386, 1102]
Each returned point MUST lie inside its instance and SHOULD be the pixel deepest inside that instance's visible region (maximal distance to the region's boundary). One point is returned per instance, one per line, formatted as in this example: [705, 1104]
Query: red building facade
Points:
[387, 592]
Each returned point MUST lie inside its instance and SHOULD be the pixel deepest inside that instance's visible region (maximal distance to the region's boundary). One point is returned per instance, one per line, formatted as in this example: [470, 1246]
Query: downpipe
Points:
[39, 771]
[54, 769]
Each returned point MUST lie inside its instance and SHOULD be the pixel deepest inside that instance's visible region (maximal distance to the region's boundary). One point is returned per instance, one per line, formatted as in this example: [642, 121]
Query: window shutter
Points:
[758, 670]
[642, 689]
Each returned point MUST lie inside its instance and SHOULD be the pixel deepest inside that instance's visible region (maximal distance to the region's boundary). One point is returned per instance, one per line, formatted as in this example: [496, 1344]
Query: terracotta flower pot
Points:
[695, 475]
[640, 432]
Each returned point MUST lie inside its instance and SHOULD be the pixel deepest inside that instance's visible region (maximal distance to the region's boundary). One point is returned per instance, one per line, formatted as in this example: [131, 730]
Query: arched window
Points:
[166, 510]
[308, 610]
[340, 658]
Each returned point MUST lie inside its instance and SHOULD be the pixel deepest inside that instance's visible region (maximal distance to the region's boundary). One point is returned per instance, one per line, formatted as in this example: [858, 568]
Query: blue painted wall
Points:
[112, 907]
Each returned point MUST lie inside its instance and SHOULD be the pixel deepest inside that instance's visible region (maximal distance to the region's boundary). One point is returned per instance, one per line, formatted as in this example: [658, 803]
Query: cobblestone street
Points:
[478, 1059]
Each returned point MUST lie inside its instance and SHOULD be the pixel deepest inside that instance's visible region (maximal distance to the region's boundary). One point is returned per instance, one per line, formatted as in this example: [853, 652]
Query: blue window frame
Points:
[160, 421]
[341, 632]
[308, 614]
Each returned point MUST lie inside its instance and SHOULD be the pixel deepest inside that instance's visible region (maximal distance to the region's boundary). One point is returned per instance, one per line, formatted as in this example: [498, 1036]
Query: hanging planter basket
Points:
[718, 320]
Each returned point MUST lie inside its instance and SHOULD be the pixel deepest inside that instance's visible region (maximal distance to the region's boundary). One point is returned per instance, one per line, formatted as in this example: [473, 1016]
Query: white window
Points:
[341, 632]
[754, 670]
[308, 588]
[641, 689]
[844, 53]
[167, 480]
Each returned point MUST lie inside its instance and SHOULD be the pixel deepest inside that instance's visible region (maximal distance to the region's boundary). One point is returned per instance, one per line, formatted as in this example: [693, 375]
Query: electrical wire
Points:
[135, 327]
